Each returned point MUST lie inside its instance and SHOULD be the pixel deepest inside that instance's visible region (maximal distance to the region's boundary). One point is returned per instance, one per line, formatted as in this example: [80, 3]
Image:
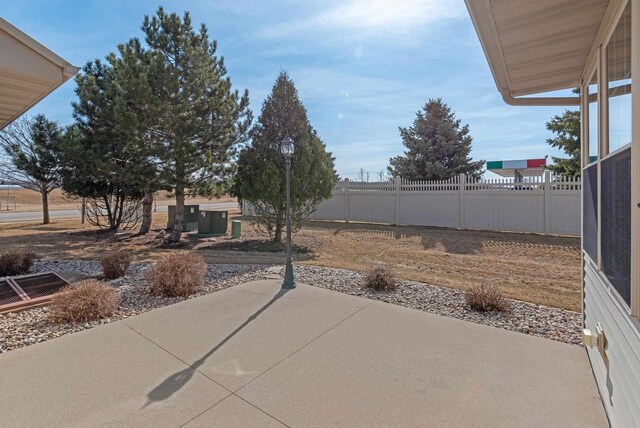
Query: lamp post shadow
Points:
[176, 381]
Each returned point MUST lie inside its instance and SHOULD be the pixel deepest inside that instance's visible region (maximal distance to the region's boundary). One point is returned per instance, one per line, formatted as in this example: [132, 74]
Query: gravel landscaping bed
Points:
[551, 323]
[32, 326]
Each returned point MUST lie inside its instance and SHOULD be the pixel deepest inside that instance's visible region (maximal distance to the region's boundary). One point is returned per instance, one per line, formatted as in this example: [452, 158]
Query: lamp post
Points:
[286, 147]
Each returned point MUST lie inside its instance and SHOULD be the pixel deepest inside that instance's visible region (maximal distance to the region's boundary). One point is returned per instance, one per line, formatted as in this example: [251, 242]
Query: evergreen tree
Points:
[32, 150]
[567, 129]
[437, 147]
[260, 177]
[199, 119]
[100, 161]
[136, 111]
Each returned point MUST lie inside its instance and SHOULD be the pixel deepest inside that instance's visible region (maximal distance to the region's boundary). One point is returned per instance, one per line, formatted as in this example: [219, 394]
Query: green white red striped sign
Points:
[517, 164]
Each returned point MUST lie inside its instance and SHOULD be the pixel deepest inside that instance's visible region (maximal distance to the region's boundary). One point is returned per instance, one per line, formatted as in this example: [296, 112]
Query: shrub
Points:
[88, 300]
[177, 275]
[486, 298]
[380, 278]
[115, 264]
[16, 262]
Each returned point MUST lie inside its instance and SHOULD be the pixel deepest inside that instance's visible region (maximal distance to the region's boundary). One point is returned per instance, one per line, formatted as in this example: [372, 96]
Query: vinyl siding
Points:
[618, 378]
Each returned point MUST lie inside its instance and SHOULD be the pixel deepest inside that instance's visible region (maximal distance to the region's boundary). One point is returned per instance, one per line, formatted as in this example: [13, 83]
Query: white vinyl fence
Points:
[546, 204]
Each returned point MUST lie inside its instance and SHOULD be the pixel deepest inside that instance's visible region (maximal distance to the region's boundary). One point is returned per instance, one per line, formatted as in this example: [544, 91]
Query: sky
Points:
[363, 68]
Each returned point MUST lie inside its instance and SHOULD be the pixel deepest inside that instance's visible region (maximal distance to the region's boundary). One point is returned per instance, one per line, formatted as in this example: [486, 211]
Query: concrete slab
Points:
[392, 366]
[234, 335]
[99, 377]
[234, 412]
[308, 357]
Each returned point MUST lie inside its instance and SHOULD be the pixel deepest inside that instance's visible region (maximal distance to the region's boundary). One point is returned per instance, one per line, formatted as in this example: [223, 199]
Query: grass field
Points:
[533, 268]
[29, 200]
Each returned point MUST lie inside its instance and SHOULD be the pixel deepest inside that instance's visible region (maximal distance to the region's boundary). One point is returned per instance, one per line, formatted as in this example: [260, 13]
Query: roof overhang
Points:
[537, 46]
[28, 72]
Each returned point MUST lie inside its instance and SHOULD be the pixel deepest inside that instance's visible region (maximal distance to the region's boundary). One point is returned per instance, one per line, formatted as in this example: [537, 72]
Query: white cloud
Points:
[371, 16]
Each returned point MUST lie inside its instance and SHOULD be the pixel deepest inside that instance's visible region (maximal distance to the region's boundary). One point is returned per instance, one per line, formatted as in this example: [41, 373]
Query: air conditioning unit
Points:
[212, 222]
[190, 220]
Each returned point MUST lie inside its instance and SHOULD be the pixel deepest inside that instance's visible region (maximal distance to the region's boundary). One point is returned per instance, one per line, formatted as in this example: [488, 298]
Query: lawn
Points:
[534, 268]
[29, 200]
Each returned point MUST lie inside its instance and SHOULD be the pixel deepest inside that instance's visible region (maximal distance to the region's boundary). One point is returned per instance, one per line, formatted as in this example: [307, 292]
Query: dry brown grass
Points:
[29, 200]
[115, 264]
[178, 274]
[486, 298]
[380, 278]
[534, 268]
[17, 261]
[86, 301]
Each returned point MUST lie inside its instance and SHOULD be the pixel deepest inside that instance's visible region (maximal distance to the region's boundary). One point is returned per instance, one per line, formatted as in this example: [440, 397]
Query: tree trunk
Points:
[108, 207]
[45, 207]
[147, 208]
[277, 236]
[176, 233]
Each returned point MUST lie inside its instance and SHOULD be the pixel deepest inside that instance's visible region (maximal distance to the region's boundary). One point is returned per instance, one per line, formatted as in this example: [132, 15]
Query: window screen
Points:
[619, 82]
[590, 211]
[616, 222]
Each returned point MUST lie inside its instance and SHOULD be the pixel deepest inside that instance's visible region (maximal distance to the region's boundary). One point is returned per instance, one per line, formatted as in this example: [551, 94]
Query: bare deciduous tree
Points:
[31, 149]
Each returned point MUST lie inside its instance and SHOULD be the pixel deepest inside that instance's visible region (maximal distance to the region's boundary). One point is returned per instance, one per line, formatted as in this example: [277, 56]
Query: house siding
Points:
[617, 375]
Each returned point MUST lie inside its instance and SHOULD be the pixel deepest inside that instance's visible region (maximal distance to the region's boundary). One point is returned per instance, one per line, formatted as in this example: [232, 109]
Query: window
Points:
[592, 93]
[615, 168]
[590, 211]
[619, 82]
[616, 222]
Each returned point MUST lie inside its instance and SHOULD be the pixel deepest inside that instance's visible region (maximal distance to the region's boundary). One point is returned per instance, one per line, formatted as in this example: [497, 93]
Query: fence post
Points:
[547, 202]
[398, 186]
[462, 180]
[347, 214]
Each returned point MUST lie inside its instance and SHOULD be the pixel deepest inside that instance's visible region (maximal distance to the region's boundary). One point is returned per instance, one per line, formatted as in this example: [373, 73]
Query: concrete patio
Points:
[252, 355]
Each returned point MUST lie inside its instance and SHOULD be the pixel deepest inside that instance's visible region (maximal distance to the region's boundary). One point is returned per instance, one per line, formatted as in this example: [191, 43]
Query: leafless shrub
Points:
[115, 212]
[486, 298]
[177, 275]
[115, 264]
[16, 262]
[86, 301]
[380, 278]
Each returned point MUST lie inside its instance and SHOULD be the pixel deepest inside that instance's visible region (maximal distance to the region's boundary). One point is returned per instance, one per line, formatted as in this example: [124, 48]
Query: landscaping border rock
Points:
[31, 326]
[537, 320]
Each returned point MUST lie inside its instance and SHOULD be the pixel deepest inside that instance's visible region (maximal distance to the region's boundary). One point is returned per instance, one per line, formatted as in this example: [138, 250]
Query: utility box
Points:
[212, 222]
[236, 229]
[190, 220]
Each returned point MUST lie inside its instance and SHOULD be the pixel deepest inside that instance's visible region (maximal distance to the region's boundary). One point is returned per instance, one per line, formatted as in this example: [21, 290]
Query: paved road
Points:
[16, 217]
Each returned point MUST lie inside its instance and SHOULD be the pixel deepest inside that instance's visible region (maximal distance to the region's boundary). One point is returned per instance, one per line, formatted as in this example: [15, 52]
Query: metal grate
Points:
[23, 291]
[40, 285]
[7, 294]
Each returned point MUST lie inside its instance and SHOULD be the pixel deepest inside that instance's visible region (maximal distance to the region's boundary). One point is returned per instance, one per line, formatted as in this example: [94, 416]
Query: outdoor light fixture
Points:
[287, 148]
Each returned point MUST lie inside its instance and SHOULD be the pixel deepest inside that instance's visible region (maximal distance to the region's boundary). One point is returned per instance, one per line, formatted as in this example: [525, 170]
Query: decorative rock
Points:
[32, 326]
[551, 323]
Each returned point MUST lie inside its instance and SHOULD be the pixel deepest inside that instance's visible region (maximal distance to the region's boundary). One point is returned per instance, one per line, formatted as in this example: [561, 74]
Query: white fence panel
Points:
[372, 207]
[564, 211]
[438, 209]
[539, 205]
[516, 210]
[331, 209]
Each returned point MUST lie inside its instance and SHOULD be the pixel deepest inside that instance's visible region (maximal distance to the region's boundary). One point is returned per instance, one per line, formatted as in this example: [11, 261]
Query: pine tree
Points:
[32, 149]
[100, 160]
[567, 130]
[260, 177]
[438, 148]
[200, 119]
